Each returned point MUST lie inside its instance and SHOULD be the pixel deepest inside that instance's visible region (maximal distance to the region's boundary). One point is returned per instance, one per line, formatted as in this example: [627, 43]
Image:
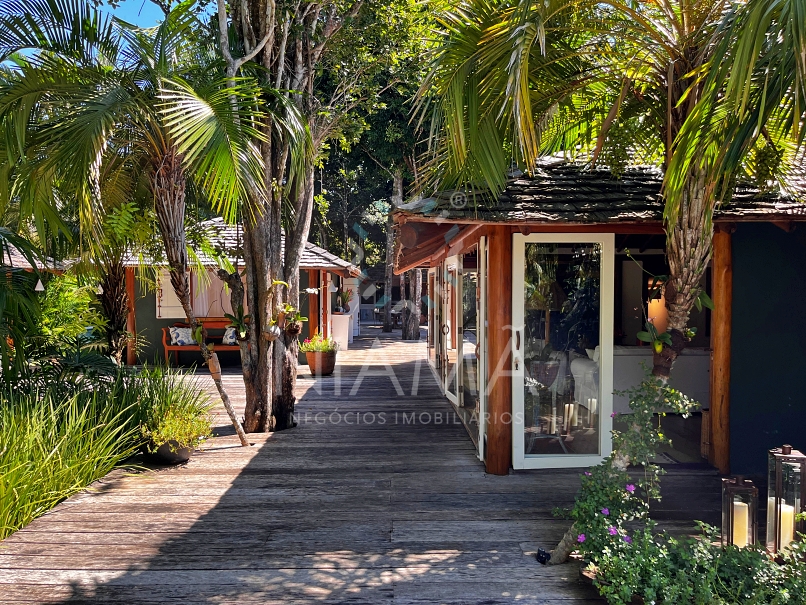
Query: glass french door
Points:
[562, 309]
[452, 327]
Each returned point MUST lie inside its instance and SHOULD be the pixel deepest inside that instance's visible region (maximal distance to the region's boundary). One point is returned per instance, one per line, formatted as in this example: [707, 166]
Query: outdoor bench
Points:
[220, 327]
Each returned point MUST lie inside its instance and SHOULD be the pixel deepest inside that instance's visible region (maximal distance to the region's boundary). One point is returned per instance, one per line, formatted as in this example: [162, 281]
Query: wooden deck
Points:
[339, 510]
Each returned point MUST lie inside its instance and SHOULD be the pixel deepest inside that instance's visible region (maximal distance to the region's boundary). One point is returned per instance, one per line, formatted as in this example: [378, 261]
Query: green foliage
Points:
[666, 570]
[171, 408]
[318, 344]
[239, 321]
[68, 310]
[52, 447]
[59, 431]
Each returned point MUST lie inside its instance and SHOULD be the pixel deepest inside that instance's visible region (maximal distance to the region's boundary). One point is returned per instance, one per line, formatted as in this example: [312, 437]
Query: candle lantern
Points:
[739, 512]
[786, 496]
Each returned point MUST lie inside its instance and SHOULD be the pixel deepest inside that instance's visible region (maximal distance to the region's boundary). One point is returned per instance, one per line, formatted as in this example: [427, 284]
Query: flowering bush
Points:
[318, 344]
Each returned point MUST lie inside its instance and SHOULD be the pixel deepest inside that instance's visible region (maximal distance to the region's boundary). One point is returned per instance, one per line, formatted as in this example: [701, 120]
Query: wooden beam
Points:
[722, 289]
[536, 226]
[313, 302]
[325, 303]
[498, 457]
[131, 318]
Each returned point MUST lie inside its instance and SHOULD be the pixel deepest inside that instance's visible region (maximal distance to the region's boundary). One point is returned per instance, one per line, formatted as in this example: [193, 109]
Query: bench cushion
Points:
[181, 336]
[230, 337]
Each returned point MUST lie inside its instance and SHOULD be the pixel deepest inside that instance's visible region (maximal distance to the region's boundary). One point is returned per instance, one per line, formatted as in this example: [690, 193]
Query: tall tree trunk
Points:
[397, 200]
[169, 201]
[688, 251]
[115, 304]
[411, 312]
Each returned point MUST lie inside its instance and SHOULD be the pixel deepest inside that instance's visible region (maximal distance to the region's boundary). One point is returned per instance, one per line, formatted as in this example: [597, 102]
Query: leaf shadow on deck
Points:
[348, 509]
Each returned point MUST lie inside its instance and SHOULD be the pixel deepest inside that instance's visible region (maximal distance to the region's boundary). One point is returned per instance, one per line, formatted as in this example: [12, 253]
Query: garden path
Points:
[339, 510]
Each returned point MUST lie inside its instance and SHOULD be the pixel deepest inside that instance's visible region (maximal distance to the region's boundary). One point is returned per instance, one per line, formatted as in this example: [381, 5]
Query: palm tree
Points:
[613, 82]
[107, 89]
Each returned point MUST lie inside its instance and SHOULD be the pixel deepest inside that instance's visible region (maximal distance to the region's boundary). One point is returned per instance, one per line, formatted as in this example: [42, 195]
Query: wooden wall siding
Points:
[362, 513]
[499, 354]
[719, 453]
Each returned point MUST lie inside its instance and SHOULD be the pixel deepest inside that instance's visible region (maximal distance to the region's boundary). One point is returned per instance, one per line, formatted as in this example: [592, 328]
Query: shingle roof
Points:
[228, 240]
[570, 193]
[11, 257]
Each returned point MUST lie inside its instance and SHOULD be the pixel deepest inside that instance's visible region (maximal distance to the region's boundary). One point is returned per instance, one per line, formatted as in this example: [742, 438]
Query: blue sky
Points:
[140, 12]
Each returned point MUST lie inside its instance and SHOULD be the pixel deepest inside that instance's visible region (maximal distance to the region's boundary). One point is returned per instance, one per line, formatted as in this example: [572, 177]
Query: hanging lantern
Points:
[786, 496]
[739, 512]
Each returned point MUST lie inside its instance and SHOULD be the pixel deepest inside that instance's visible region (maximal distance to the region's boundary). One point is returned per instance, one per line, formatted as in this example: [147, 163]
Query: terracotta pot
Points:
[170, 453]
[321, 364]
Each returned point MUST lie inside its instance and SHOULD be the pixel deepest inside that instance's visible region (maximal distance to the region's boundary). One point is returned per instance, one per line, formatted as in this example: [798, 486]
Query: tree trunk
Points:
[169, 201]
[688, 251]
[115, 304]
[397, 200]
[410, 316]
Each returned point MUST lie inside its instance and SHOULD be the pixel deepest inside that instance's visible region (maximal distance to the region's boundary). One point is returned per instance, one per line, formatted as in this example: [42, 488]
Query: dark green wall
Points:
[768, 344]
[149, 327]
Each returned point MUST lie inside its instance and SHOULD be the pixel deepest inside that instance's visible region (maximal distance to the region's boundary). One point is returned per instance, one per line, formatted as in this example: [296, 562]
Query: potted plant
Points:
[174, 416]
[344, 297]
[320, 353]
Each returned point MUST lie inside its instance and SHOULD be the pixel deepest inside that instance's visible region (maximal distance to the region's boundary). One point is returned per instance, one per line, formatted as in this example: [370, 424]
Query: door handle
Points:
[445, 329]
[517, 340]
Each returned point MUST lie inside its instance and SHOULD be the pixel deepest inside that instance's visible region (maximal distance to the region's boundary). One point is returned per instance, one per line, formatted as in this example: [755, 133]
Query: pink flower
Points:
[628, 539]
[631, 488]
[581, 538]
[605, 511]
[587, 474]
[613, 531]
[613, 415]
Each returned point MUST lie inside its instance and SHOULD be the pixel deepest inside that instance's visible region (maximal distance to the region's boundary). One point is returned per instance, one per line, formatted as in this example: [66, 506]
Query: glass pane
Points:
[432, 314]
[469, 402]
[561, 348]
[450, 330]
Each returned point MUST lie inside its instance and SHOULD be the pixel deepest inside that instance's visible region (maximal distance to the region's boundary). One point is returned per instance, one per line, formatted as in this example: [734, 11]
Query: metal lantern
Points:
[739, 512]
[786, 496]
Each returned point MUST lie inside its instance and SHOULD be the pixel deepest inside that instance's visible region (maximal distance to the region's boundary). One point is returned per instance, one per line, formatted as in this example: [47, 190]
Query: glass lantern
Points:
[786, 496]
[739, 512]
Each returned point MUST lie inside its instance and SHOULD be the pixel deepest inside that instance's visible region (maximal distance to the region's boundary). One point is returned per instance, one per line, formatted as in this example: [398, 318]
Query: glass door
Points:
[563, 349]
[433, 318]
[452, 326]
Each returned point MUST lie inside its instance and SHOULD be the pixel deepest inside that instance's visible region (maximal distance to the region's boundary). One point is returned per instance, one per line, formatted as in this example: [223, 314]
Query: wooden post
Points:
[325, 303]
[313, 302]
[498, 456]
[131, 323]
[719, 452]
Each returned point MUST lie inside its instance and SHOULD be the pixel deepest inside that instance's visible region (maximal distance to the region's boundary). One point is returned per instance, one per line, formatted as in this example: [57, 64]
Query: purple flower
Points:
[628, 539]
[613, 531]
[581, 538]
[605, 511]
[587, 474]
[631, 488]
[613, 415]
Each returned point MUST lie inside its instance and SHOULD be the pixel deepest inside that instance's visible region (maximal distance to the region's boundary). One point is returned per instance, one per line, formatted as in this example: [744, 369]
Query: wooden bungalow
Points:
[155, 309]
[538, 298]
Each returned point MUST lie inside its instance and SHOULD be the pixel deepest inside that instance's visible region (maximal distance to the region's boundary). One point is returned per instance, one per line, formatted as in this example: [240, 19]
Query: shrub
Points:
[52, 447]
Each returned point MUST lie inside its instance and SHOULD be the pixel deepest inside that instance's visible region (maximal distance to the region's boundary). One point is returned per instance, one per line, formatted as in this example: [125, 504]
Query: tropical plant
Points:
[172, 408]
[684, 86]
[125, 91]
[54, 446]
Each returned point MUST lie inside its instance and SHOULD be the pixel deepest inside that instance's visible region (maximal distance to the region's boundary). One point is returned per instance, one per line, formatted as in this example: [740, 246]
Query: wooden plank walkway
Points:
[359, 504]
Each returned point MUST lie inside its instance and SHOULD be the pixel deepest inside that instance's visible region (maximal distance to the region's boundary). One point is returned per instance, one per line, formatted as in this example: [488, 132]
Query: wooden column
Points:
[499, 352]
[722, 291]
[325, 303]
[314, 305]
[131, 323]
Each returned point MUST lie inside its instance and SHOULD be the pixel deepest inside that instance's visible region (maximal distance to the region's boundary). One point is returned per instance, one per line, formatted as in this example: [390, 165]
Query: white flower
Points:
[311, 290]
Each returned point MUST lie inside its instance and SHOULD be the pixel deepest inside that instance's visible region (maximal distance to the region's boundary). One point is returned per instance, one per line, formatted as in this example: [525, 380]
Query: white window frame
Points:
[606, 292]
